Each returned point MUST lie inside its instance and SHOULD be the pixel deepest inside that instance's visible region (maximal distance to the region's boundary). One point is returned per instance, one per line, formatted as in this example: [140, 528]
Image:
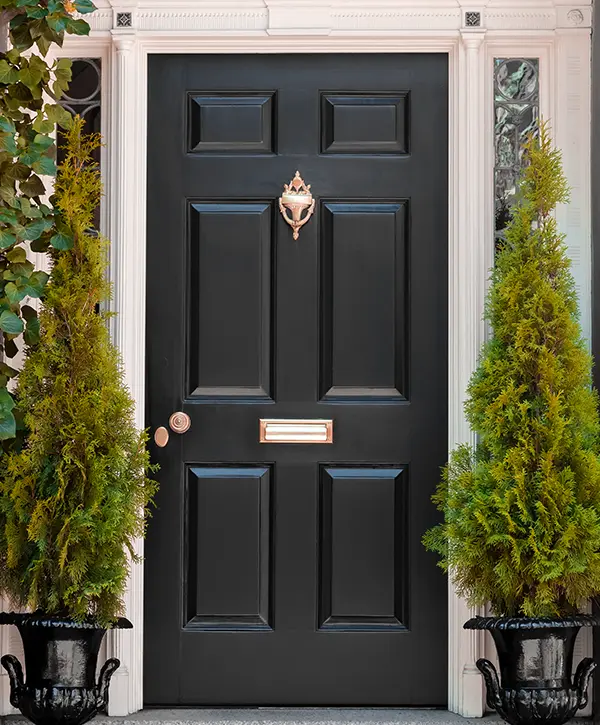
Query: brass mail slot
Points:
[295, 431]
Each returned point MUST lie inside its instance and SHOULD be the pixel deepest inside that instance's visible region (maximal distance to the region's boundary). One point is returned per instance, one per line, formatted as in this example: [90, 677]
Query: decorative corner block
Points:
[124, 20]
[472, 19]
[575, 17]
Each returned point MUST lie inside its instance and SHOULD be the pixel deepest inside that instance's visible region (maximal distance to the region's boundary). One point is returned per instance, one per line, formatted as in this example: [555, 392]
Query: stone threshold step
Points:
[285, 716]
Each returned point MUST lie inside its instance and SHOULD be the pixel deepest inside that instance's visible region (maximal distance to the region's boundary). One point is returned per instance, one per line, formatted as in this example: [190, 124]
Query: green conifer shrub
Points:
[73, 499]
[521, 509]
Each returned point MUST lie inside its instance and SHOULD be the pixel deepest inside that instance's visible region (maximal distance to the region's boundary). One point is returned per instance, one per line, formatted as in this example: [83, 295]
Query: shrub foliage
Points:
[521, 525]
[73, 499]
[30, 89]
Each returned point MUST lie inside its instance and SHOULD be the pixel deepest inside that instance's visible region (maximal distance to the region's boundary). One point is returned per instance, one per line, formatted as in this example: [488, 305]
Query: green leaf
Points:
[18, 171]
[45, 166]
[6, 125]
[18, 254]
[37, 283]
[39, 65]
[14, 293]
[13, 55]
[30, 76]
[85, 6]
[21, 270]
[30, 156]
[53, 37]
[8, 74]
[19, 231]
[6, 401]
[32, 332]
[18, 20]
[8, 426]
[77, 27]
[31, 212]
[20, 92]
[11, 323]
[20, 36]
[35, 229]
[63, 73]
[8, 144]
[34, 186]
[8, 370]
[57, 22]
[37, 13]
[12, 104]
[7, 239]
[62, 240]
[44, 142]
[13, 202]
[8, 216]
[43, 44]
[36, 28]
[40, 245]
[41, 125]
[7, 195]
[57, 114]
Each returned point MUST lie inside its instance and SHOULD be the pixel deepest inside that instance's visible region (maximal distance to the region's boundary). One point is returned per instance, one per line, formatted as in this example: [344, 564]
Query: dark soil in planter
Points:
[61, 658]
[536, 662]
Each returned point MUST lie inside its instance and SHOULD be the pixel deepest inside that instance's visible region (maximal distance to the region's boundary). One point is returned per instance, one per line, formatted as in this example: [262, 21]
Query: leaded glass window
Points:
[83, 96]
[516, 111]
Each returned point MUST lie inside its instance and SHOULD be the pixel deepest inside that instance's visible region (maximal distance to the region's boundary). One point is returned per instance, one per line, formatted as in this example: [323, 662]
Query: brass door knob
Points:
[180, 422]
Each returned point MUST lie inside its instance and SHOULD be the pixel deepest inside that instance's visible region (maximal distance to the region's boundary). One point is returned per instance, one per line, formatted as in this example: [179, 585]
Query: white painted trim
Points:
[556, 31]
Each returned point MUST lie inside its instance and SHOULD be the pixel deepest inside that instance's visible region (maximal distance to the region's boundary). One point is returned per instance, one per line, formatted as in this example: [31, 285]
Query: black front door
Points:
[293, 573]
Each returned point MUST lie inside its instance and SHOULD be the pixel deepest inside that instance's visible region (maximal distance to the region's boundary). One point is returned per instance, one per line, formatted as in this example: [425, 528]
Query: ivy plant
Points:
[30, 111]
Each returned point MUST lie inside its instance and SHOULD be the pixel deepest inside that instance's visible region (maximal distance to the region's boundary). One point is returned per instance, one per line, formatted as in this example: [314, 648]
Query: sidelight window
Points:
[516, 110]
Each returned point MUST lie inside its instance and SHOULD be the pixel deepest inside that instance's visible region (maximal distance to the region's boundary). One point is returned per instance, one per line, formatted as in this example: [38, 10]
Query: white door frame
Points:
[125, 32]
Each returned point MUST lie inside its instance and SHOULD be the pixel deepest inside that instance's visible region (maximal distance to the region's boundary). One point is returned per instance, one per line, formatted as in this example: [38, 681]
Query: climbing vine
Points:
[30, 91]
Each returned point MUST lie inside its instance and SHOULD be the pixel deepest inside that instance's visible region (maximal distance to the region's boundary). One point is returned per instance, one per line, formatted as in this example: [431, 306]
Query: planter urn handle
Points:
[492, 683]
[582, 679]
[37, 706]
[15, 675]
[503, 701]
[107, 671]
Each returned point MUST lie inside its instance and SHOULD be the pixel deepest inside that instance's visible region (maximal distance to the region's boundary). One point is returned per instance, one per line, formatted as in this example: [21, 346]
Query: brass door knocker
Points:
[296, 197]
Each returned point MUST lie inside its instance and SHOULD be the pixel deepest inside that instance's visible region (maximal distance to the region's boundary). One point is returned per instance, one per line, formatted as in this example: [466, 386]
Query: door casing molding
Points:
[555, 31]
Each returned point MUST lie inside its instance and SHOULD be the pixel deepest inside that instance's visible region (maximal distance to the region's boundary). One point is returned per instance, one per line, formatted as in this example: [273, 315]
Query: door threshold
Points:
[285, 716]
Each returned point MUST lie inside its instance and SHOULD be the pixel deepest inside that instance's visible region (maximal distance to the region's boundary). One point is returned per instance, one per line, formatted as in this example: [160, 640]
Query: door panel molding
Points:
[559, 35]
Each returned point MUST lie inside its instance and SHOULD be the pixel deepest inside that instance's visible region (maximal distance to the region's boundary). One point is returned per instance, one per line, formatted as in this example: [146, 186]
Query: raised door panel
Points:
[364, 123]
[364, 340]
[231, 123]
[363, 550]
[228, 538]
[231, 296]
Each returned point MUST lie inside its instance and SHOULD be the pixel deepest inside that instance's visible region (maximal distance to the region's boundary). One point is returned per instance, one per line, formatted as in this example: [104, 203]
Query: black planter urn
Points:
[536, 663]
[61, 657]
